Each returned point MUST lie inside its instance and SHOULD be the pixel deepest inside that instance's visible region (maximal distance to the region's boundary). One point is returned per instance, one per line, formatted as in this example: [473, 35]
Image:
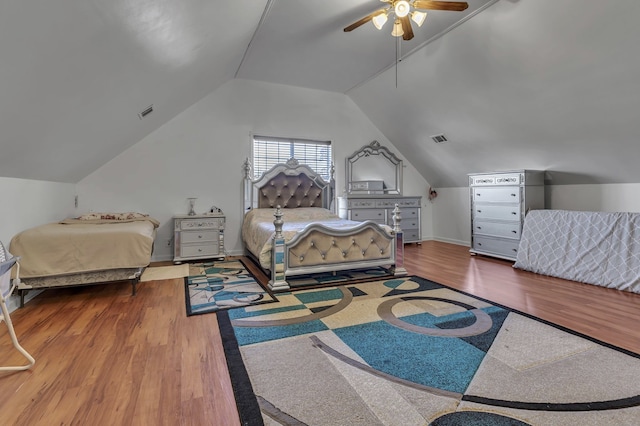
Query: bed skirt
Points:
[80, 279]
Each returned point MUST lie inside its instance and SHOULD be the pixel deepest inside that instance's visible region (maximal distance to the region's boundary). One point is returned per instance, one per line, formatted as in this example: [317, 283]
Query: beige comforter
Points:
[258, 228]
[74, 246]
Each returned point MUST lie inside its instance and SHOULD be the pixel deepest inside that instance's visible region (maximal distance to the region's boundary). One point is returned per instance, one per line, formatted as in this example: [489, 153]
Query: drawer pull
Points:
[199, 249]
[479, 244]
[199, 236]
[514, 213]
[479, 211]
[513, 195]
[514, 232]
[477, 195]
[479, 227]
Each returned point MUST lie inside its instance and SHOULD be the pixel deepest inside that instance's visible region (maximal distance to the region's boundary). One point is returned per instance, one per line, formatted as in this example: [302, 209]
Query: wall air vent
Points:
[148, 110]
[439, 138]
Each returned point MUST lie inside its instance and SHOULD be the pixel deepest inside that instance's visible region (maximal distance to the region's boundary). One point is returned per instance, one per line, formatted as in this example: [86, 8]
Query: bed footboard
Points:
[319, 248]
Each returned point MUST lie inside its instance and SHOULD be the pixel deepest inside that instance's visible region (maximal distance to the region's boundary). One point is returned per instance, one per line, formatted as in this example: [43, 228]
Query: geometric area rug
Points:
[212, 286]
[409, 351]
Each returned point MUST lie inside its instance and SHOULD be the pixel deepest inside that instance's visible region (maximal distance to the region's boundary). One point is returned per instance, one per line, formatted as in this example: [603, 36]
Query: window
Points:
[269, 151]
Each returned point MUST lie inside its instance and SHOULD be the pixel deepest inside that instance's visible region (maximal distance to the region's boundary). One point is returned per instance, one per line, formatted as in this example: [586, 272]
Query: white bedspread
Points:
[258, 228]
[592, 247]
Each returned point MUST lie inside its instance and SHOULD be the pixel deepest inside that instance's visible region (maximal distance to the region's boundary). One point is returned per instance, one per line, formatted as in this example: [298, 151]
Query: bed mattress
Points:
[80, 246]
[592, 247]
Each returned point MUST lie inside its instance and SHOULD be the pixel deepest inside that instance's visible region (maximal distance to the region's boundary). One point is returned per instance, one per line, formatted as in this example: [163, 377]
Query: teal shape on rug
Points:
[319, 296]
[447, 363]
[243, 313]
[251, 335]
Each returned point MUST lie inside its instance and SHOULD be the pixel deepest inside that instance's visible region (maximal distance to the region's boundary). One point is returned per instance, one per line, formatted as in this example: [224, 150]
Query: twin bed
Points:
[290, 228]
[92, 249]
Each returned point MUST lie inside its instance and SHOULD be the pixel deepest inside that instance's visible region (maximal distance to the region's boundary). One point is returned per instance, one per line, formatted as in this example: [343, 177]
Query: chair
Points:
[6, 263]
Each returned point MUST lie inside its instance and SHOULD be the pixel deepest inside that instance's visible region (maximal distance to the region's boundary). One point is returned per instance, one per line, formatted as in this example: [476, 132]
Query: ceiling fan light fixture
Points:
[402, 8]
[379, 20]
[418, 17]
[397, 29]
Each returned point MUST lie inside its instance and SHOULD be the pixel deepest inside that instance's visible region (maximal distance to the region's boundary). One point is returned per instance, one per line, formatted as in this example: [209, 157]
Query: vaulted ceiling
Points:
[541, 84]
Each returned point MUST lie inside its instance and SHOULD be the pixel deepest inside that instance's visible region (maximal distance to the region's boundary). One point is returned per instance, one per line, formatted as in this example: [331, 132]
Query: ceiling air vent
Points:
[439, 138]
[148, 110]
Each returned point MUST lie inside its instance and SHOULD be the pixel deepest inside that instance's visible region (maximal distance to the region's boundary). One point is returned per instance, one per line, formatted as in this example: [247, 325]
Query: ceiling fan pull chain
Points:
[397, 58]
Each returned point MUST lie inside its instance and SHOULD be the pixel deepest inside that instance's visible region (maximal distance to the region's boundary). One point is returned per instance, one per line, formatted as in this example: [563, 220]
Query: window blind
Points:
[269, 151]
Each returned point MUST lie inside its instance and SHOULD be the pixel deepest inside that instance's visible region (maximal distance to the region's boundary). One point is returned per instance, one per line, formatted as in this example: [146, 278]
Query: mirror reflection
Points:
[373, 169]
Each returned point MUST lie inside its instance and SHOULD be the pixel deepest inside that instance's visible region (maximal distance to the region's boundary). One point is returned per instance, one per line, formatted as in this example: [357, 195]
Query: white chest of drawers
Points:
[499, 202]
[198, 237]
[380, 210]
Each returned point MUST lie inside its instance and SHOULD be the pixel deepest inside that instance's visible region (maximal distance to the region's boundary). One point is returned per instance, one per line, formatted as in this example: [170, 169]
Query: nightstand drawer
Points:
[195, 237]
[197, 250]
[190, 224]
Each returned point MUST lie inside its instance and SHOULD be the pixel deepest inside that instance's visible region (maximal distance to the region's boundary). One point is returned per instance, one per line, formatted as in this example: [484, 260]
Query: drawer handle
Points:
[199, 249]
[479, 211]
[477, 195]
[199, 236]
[479, 244]
[514, 213]
[513, 195]
[515, 232]
[479, 227]
[516, 250]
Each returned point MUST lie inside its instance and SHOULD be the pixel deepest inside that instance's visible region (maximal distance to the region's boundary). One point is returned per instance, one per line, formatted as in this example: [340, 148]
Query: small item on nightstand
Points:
[192, 204]
[215, 210]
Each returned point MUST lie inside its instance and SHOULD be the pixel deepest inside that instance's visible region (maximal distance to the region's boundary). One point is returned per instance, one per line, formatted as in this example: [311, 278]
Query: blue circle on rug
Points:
[476, 418]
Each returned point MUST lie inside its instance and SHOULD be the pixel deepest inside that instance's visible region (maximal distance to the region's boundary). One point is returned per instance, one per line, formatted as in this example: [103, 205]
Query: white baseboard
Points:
[451, 241]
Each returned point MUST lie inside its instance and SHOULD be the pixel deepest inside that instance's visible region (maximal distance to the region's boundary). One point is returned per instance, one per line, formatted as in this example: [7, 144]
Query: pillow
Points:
[112, 216]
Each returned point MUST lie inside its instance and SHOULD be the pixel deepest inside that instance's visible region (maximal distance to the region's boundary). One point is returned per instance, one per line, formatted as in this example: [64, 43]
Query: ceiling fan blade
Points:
[363, 20]
[406, 28]
[456, 6]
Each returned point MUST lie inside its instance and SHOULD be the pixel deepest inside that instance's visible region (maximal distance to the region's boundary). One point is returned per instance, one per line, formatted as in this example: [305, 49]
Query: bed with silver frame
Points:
[290, 228]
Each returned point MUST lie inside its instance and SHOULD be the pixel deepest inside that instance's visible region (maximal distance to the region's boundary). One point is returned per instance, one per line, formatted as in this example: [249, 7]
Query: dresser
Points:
[198, 237]
[379, 208]
[499, 202]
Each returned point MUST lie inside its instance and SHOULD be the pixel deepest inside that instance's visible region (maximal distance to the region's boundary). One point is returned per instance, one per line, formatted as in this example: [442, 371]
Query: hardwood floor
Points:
[104, 357]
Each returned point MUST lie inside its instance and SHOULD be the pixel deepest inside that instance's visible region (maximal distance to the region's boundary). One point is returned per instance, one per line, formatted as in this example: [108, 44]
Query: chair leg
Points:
[14, 339]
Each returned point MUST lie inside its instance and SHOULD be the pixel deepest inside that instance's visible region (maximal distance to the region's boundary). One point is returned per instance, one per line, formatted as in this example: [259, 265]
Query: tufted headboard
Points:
[288, 185]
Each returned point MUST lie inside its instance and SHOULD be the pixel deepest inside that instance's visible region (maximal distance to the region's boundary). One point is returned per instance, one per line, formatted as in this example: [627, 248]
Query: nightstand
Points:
[198, 237]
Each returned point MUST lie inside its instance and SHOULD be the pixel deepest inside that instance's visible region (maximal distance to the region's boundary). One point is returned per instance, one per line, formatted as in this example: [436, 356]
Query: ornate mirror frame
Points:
[373, 169]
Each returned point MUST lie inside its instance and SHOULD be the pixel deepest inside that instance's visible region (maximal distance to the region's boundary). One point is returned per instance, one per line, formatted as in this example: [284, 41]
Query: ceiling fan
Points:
[402, 10]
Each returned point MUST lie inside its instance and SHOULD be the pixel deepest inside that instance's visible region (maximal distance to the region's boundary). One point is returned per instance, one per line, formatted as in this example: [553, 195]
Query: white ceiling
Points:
[543, 84]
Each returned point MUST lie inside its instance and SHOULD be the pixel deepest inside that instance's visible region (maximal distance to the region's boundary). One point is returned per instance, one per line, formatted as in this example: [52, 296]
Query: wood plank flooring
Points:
[106, 358]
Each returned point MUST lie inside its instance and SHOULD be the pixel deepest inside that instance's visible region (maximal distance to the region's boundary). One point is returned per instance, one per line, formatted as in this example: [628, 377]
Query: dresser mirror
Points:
[373, 169]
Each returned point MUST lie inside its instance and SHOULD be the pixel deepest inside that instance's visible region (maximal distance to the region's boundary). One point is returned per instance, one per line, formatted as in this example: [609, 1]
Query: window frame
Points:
[260, 165]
